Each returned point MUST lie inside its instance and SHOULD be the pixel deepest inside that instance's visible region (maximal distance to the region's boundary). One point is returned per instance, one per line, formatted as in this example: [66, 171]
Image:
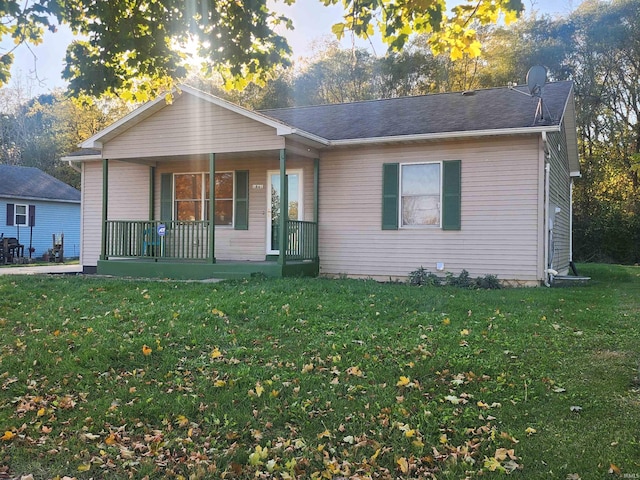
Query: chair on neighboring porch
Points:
[151, 242]
[57, 252]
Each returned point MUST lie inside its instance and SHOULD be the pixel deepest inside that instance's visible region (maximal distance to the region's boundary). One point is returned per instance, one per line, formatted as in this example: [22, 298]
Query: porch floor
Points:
[189, 270]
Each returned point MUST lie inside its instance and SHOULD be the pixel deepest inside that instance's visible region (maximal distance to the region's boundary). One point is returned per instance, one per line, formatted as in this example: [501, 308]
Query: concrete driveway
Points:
[41, 269]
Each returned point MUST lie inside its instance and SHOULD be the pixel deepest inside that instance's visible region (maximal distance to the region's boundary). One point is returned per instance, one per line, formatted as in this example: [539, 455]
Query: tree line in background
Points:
[597, 47]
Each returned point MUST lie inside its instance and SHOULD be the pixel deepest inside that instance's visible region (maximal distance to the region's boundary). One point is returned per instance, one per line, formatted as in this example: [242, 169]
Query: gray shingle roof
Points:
[488, 109]
[32, 183]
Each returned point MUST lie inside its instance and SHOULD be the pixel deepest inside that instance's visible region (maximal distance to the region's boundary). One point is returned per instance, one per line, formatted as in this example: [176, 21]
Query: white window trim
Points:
[15, 215]
[401, 197]
[204, 200]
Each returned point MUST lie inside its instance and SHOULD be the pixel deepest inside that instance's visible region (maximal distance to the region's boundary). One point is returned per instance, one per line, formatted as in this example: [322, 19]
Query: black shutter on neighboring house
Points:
[390, 195]
[32, 215]
[10, 214]
[242, 201]
[451, 198]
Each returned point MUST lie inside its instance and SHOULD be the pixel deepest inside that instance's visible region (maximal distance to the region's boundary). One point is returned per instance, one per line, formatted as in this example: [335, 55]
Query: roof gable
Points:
[149, 109]
[34, 184]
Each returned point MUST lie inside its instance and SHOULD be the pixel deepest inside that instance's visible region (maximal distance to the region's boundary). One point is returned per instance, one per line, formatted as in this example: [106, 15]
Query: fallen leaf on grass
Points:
[403, 465]
[7, 436]
[404, 381]
[216, 353]
[614, 469]
[575, 408]
[530, 431]
[452, 399]
[573, 476]
[146, 350]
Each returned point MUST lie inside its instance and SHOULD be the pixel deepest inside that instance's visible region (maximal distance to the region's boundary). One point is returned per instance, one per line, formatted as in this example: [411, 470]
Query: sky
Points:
[312, 21]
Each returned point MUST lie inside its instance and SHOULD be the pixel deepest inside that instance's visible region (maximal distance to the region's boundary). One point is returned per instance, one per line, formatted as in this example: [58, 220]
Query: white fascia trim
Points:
[81, 158]
[444, 135]
[40, 199]
[309, 136]
[575, 174]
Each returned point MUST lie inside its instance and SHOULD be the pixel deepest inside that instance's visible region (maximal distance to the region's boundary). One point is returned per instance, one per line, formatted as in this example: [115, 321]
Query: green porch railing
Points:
[142, 239]
[302, 240]
[190, 240]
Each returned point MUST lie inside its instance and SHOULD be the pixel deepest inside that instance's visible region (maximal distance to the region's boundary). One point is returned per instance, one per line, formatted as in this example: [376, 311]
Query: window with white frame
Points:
[21, 215]
[192, 197]
[420, 194]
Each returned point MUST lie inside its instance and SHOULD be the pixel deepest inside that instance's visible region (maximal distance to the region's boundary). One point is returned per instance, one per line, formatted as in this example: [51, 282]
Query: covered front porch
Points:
[233, 231]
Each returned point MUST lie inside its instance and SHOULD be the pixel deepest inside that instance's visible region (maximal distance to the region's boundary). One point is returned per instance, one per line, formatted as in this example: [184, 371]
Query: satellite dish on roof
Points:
[536, 78]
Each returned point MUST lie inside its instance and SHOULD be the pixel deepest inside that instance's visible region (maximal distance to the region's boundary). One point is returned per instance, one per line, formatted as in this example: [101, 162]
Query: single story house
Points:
[194, 188]
[35, 206]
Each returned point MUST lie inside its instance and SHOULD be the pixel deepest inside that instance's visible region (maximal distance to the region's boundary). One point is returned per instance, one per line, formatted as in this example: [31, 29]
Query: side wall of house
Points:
[128, 200]
[500, 212]
[51, 218]
[560, 197]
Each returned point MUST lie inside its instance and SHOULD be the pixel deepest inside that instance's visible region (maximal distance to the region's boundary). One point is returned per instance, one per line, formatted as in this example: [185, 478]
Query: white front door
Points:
[294, 178]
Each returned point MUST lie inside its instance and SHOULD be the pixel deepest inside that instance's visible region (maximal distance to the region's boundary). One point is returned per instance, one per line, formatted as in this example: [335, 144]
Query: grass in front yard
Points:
[312, 378]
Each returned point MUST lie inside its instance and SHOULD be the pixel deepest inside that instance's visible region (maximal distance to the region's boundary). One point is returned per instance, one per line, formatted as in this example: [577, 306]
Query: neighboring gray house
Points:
[35, 206]
[477, 180]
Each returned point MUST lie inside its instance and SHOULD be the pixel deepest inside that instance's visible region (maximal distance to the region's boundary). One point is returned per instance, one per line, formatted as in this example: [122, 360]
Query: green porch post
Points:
[152, 193]
[284, 209]
[316, 201]
[105, 200]
[212, 207]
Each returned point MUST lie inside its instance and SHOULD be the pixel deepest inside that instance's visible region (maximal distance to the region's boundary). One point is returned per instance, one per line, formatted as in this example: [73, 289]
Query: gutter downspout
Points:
[73, 166]
[547, 171]
[571, 264]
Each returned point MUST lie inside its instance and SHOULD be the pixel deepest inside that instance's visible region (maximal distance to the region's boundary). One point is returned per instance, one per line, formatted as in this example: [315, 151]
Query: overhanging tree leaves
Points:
[145, 45]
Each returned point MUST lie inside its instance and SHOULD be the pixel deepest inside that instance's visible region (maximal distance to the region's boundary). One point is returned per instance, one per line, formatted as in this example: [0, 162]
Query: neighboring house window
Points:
[420, 194]
[21, 215]
[192, 197]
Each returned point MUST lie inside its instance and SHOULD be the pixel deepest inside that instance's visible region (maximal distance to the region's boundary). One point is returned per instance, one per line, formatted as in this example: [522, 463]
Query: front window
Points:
[224, 198]
[189, 197]
[21, 215]
[420, 194]
[192, 197]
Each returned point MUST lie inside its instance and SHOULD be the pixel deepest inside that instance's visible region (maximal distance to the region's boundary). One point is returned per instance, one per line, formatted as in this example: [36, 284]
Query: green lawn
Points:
[316, 378]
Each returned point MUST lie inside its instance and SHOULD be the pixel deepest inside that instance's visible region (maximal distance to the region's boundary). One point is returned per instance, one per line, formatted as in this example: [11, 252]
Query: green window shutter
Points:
[451, 198]
[390, 197]
[241, 207]
[166, 197]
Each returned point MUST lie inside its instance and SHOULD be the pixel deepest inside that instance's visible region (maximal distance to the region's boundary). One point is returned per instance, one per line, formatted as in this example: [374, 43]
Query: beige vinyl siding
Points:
[499, 215]
[248, 244]
[90, 213]
[128, 191]
[192, 126]
[128, 200]
[560, 196]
